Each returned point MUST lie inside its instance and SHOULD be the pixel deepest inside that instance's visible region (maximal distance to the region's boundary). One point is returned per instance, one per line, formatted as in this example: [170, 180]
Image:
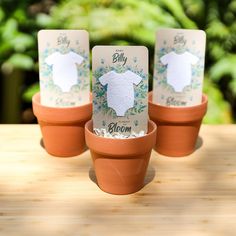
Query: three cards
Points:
[120, 76]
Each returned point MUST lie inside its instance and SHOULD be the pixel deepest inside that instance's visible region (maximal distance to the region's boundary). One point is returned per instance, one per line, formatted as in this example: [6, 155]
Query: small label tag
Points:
[179, 67]
[64, 67]
[120, 87]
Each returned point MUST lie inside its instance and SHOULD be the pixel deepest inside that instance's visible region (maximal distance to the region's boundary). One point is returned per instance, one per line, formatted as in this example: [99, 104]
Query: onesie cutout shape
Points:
[120, 90]
[179, 71]
[64, 69]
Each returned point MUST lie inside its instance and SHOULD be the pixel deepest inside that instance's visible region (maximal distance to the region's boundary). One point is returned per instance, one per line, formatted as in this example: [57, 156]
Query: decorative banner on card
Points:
[179, 67]
[64, 67]
[120, 87]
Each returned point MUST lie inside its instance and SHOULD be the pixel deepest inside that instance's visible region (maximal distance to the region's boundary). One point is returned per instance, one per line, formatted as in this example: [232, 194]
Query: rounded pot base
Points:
[120, 176]
[177, 127]
[120, 164]
[173, 154]
[62, 128]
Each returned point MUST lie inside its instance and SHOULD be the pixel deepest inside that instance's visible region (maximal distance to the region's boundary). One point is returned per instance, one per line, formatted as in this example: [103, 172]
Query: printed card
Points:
[64, 67]
[179, 67]
[120, 88]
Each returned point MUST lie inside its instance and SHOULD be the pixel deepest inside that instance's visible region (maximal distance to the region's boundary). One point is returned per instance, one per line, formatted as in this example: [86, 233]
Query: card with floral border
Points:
[120, 88]
[64, 67]
[179, 67]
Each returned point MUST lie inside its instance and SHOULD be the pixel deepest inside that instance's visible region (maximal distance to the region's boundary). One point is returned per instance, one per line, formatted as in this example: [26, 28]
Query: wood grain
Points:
[45, 195]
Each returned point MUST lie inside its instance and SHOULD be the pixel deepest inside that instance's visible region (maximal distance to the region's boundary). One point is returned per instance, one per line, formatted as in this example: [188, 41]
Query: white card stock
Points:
[120, 87]
[179, 67]
[64, 67]
[120, 90]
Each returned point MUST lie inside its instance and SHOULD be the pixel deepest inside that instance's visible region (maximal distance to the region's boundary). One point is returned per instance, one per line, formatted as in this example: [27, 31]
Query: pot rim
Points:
[57, 114]
[177, 114]
[129, 147]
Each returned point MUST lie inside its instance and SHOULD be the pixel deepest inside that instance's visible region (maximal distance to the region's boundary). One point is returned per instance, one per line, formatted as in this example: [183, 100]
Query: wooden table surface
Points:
[45, 195]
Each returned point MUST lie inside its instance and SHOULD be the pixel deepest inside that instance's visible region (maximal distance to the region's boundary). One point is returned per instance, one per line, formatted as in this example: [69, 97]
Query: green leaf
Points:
[216, 50]
[176, 8]
[225, 66]
[21, 61]
[108, 21]
[232, 86]
[9, 29]
[218, 111]
[20, 15]
[44, 20]
[2, 14]
[30, 91]
[217, 29]
[22, 41]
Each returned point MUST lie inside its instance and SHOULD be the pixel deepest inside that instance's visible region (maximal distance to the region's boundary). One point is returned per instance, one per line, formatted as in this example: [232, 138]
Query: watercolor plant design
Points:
[160, 77]
[46, 72]
[99, 91]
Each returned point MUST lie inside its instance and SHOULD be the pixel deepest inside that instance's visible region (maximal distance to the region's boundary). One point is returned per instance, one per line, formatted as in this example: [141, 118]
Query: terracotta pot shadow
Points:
[62, 128]
[199, 143]
[120, 164]
[177, 127]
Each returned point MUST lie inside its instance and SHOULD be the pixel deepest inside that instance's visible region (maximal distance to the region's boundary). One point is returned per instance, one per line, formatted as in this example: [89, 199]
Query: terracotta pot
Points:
[120, 164]
[177, 127]
[62, 128]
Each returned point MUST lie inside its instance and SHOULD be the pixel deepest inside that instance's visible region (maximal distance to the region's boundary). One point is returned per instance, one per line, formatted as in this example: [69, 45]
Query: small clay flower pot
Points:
[120, 164]
[62, 128]
[177, 127]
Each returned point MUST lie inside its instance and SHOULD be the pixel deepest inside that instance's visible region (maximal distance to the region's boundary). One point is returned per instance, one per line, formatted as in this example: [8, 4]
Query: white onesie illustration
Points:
[179, 71]
[120, 90]
[64, 70]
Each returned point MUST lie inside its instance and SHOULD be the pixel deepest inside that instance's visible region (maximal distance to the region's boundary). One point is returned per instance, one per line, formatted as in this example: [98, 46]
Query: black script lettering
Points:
[114, 127]
[180, 39]
[62, 39]
[119, 57]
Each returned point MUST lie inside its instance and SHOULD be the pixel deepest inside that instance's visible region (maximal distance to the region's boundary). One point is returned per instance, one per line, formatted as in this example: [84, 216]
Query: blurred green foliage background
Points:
[125, 22]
